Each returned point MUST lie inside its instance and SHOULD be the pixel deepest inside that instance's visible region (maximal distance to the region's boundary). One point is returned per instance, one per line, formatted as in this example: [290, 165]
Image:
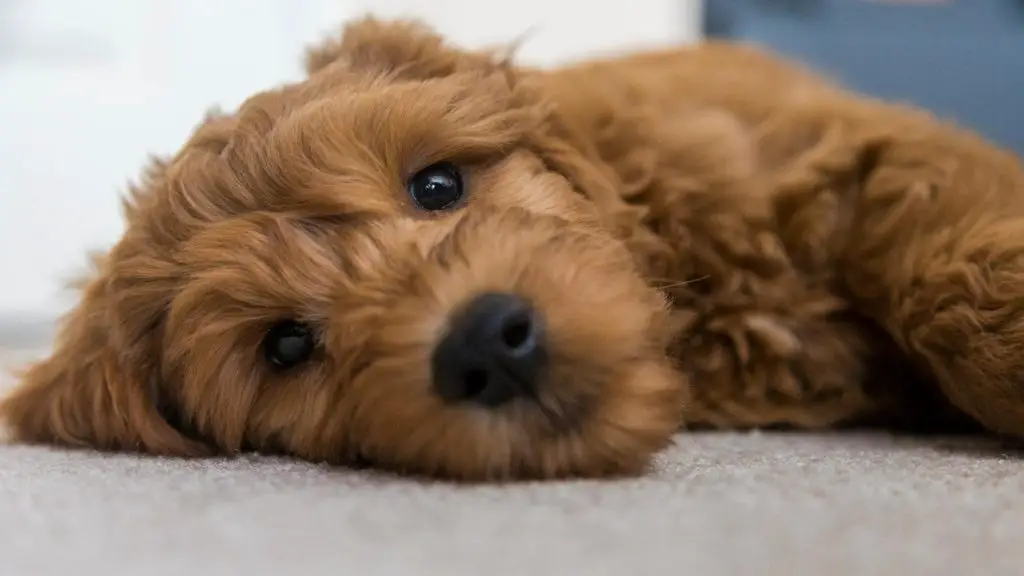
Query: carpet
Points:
[714, 504]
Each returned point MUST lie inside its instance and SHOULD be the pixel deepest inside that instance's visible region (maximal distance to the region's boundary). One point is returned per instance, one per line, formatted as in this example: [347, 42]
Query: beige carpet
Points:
[716, 504]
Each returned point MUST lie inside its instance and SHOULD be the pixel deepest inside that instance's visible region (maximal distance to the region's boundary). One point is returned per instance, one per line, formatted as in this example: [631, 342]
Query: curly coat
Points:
[716, 237]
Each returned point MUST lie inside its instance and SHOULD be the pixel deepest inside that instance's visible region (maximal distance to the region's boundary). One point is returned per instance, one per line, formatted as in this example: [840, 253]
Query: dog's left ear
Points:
[99, 386]
[405, 48]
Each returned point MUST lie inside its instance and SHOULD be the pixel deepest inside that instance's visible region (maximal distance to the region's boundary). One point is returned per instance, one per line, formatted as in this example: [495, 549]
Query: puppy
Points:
[435, 262]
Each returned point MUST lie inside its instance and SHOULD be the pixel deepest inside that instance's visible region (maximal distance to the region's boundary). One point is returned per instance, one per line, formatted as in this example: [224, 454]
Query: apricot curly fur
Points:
[716, 237]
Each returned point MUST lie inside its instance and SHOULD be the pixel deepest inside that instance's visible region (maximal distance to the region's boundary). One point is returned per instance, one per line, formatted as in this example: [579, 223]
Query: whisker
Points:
[673, 283]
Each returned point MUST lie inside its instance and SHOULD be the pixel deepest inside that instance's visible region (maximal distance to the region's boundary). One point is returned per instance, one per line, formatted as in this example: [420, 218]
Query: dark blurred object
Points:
[963, 59]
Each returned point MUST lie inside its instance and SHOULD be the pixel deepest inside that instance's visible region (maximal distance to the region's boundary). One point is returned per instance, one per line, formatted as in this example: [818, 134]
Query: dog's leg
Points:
[758, 369]
[936, 257]
[764, 338]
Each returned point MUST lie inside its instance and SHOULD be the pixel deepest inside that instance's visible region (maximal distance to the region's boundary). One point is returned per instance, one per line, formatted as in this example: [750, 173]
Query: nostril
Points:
[516, 332]
[474, 383]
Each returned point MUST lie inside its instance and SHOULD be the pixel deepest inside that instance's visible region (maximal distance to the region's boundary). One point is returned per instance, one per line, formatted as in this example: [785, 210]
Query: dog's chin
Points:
[571, 429]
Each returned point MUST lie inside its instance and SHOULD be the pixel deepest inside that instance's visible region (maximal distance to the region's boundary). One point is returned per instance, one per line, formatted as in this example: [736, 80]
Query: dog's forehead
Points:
[356, 96]
[339, 146]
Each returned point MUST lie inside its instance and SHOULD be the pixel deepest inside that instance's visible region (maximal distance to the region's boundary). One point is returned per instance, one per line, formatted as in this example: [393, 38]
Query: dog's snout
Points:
[493, 352]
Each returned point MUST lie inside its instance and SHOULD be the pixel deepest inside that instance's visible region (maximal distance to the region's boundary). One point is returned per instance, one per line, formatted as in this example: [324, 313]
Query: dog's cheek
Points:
[416, 237]
[639, 416]
[302, 414]
[522, 181]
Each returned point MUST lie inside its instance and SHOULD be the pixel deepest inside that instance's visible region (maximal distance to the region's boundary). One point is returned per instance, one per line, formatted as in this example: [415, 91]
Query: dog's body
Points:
[822, 246]
[708, 236]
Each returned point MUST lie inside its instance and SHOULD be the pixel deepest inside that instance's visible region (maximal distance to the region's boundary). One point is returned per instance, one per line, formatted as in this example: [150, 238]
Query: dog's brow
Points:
[318, 222]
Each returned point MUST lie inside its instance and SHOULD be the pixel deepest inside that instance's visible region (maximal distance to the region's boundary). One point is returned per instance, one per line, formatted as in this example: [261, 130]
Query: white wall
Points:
[88, 89]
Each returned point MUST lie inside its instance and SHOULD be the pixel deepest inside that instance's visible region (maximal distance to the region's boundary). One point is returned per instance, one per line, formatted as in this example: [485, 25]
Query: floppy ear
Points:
[406, 48]
[100, 386]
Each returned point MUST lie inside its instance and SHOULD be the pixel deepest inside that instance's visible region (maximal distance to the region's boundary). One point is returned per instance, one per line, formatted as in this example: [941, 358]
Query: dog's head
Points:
[398, 260]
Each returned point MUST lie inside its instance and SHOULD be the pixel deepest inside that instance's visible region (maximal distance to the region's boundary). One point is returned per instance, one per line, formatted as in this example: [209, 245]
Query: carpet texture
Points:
[715, 504]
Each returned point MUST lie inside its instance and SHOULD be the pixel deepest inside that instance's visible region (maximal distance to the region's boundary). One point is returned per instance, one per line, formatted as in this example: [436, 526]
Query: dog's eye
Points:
[288, 344]
[436, 187]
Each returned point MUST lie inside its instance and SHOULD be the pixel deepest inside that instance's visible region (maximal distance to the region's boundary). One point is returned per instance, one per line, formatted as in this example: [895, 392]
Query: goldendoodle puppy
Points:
[433, 261]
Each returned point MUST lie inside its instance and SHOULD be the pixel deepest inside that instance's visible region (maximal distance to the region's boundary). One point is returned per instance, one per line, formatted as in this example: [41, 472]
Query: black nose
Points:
[493, 352]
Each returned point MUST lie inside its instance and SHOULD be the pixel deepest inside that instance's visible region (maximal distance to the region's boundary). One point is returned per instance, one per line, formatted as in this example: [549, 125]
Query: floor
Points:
[715, 504]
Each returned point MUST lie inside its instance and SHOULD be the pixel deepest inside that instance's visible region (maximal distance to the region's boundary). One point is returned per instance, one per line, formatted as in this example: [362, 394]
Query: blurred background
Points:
[88, 89]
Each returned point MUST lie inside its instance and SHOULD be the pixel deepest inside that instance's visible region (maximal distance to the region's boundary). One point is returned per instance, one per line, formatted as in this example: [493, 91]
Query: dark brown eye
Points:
[288, 344]
[436, 187]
